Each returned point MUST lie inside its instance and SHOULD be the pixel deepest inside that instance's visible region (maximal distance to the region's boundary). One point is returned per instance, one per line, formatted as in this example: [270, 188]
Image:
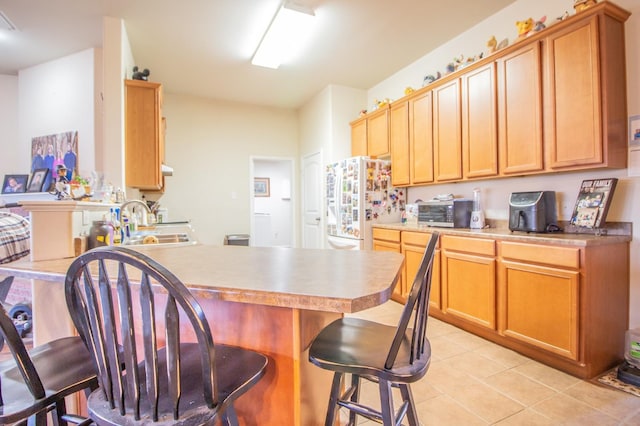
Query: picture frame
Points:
[634, 130]
[261, 187]
[14, 184]
[38, 178]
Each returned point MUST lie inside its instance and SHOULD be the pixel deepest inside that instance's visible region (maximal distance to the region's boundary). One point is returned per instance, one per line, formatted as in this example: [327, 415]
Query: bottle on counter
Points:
[115, 223]
[99, 234]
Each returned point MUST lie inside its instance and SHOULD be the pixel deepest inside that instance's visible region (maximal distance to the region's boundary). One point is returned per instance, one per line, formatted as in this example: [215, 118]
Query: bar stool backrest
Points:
[100, 287]
[416, 307]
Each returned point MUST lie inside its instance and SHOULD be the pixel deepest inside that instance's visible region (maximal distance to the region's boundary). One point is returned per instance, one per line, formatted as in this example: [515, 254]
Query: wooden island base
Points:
[293, 391]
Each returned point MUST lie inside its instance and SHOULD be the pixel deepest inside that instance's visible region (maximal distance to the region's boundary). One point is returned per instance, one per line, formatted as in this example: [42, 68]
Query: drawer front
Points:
[567, 257]
[469, 245]
[386, 235]
[416, 238]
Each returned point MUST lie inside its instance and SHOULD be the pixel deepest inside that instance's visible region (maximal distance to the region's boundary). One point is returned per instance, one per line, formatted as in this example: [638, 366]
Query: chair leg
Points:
[332, 409]
[59, 410]
[407, 395]
[355, 396]
[386, 403]
[229, 416]
[38, 419]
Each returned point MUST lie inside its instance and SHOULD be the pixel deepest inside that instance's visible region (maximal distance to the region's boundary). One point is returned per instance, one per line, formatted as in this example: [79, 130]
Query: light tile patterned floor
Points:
[475, 382]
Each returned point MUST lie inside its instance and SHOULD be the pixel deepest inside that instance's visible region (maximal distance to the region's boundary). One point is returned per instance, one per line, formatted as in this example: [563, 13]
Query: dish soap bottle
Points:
[477, 216]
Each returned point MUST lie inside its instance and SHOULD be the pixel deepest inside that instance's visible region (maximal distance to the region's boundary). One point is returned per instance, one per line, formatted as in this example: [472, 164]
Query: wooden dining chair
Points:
[389, 356]
[35, 382]
[129, 310]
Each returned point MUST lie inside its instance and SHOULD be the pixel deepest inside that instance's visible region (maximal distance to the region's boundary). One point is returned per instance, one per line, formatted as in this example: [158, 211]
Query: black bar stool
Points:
[389, 356]
[128, 309]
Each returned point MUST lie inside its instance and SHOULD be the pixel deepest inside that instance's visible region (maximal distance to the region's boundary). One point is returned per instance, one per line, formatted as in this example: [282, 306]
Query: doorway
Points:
[272, 201]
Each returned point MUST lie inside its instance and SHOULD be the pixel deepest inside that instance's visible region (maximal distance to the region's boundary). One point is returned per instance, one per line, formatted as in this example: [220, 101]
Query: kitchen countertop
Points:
[322, 280]
[503, 233]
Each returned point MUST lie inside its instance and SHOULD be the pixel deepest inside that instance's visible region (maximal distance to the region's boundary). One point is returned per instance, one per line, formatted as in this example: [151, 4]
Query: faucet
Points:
[135, 203]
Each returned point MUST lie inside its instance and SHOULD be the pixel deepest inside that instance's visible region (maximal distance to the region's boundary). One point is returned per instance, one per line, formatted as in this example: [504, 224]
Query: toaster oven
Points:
[453, 213]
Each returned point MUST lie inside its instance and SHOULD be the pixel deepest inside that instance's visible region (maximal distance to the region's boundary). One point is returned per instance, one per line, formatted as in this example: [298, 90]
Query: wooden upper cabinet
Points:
[144, 135]
[585, 93]
[359, 137]
[520, 111]
[421, 138]
[399, 143]
[378, 132]
[479, 122]
[447, 132]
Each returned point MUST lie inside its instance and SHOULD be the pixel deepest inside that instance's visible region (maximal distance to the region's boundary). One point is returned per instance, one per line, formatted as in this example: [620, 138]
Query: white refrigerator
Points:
[359, 194]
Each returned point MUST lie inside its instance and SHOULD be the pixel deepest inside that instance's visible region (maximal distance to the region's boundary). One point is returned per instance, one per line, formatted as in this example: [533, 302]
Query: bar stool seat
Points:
[36, 381]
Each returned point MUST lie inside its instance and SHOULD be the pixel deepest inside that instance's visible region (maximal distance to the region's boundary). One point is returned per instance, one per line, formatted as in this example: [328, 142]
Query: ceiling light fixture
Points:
[5, 23]
[287, 32]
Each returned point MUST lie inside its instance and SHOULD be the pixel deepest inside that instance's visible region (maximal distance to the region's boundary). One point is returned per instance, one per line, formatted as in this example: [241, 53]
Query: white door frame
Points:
[291, 166]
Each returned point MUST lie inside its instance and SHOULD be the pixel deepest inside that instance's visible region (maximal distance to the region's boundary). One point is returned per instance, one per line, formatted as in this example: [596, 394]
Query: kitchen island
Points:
[273, 300]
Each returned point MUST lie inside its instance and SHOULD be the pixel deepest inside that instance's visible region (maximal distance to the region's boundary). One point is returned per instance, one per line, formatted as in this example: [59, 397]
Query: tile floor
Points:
[472, 381]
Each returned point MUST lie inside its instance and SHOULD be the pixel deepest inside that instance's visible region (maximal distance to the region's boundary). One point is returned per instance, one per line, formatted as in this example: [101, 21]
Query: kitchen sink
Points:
[163, 234]
[151, 238]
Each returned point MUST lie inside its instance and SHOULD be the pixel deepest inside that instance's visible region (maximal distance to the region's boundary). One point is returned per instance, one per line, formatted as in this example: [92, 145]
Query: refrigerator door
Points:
[339, 243]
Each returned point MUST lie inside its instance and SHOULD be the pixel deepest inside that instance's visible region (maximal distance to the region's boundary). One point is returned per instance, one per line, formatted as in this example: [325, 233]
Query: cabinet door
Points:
[540, 306]
[479, 123]
[359, 137]
[399, 140]
[421, 138]
[520, 111]
[447, 133]
[380, 245]
[413, 246]
[573, 112]
[468, 274]
[143, 135]
[378, 133]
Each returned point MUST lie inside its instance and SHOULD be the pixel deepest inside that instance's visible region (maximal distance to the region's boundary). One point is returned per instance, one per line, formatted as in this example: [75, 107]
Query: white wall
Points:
[15, 157]
[495, 192]
[209, 144]
[59, 96]
[324, 122]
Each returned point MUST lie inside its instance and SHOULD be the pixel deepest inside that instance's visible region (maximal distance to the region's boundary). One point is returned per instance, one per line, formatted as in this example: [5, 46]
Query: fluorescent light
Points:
[5, 23]
[287, 32]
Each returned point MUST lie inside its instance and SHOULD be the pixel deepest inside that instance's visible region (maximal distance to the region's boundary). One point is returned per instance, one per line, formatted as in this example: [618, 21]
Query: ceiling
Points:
[204, 47]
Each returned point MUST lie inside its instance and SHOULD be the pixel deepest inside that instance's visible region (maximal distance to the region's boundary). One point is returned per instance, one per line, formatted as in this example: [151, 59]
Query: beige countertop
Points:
[324, 280]
[502, 233]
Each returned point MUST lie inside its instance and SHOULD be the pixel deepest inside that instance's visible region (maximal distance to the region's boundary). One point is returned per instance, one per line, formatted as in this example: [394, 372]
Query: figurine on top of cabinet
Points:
[140, 75]
[539, 24]
[580, 5]
[524, 27]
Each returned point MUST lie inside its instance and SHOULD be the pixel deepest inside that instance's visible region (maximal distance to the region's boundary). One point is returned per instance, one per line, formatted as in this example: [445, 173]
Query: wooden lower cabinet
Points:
[540, 296]
[469, 279]
[564, 304]
[389, 240]
[413, 246]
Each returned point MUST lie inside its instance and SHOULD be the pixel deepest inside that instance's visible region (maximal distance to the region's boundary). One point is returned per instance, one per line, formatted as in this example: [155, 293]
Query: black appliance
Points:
[533, 211]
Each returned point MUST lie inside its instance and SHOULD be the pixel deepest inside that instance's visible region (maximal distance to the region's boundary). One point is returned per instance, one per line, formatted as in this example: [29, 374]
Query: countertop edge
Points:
[559, 238]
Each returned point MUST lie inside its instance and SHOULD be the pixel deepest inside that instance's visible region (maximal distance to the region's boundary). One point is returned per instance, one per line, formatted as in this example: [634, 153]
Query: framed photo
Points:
[14, 184]
[634, 130]
[261, 187]
[38, 177]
